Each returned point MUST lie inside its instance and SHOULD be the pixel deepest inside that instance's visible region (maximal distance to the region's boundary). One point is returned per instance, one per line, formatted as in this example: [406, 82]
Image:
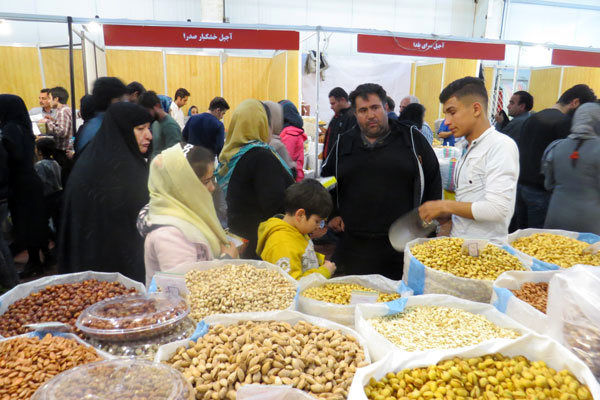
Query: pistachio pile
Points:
[556, 249]
[447, 255]
[340, 293]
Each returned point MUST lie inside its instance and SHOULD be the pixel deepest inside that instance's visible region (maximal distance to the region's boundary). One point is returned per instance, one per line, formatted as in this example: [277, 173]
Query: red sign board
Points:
[430, 48]
[578, 58]
[167, 36]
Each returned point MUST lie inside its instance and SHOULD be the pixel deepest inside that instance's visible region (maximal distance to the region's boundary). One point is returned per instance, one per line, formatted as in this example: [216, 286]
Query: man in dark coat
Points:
[342, 121]
[384, 169]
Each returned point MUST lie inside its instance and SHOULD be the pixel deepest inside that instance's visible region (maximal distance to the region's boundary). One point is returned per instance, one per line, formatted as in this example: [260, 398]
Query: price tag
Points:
[172, 284]
[474, 247]
[592, 249]
[359, 296]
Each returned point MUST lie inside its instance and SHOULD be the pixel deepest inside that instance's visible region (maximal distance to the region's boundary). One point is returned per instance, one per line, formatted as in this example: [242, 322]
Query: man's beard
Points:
[374, 135]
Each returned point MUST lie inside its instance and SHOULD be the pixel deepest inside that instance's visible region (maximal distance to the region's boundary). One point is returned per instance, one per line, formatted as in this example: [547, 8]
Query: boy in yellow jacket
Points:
[283, 240]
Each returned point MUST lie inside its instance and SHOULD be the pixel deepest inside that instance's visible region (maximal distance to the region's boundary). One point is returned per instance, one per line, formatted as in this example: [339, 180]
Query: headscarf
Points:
[291, 116]
[190, 110]
[105, 192]
[586, 122]
[165, 102]
[204, 130]
[249, 128]
[276, 116]
[178, 198]
[13, 109]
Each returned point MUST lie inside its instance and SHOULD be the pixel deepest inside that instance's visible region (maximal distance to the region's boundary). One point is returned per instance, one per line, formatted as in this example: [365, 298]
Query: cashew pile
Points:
[556, 249]
[446, 255]
[436, 327]
[314, 359]
[340, 293]
[490, 377]
[237, 288]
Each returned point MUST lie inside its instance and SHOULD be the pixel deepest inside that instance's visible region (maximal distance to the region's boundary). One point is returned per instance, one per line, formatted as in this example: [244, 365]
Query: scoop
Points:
[409, 227]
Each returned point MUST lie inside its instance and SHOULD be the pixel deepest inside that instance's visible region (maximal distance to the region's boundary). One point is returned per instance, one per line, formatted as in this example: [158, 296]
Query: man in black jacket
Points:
[342, 121]
[384, 169]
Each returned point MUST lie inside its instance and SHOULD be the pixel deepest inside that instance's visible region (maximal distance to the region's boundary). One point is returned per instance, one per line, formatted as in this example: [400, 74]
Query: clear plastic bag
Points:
[506, 302]
[344, 314]
[574, 313]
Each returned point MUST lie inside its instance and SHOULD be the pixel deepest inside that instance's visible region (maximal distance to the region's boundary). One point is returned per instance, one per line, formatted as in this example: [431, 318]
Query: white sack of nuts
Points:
[230, 286]
[425, 279]
[506, 302]
[533, 346]
[273, 348]
[432, 323]
[574, 313]
[343, 314]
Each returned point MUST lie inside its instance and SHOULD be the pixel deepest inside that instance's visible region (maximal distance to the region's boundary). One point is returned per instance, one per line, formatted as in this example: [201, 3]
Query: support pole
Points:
[318, 82]
[72, 73]
[515, 75]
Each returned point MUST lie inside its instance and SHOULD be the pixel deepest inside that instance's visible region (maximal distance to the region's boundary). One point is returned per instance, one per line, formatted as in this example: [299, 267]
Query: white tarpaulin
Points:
[348, 72]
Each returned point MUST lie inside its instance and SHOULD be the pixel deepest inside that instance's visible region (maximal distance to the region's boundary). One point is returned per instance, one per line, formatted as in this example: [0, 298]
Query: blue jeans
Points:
[532, 206]
[8, 273]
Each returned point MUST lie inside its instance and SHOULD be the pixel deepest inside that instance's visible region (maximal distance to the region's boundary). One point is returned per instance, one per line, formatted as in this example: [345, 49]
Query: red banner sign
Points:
[166, 36]
[429, 48]
[577, 58]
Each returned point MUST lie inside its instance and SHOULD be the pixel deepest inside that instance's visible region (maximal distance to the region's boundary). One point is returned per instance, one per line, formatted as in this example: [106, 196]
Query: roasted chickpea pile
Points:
[490, 377]
[556, 249]
[57, 303]
[340, 293]
[446, 255]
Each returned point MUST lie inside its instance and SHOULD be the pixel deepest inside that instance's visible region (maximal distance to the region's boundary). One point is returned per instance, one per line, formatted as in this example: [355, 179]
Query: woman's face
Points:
[194, 111]
[143, 136]
[208, 180]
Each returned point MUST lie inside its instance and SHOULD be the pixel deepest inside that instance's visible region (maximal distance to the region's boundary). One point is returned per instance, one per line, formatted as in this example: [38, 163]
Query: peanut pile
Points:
[490, 377]
[57, 303]
[340, 293]
[28, 362]
[533, 293]
[436, 327]
[237, 288]
[446, 255]
[556, 249]
[314, 359]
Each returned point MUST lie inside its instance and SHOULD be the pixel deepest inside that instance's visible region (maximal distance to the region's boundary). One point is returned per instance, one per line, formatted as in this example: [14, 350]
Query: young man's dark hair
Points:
[467, 86]
[582, 92]
[525, 98]
[135, 87]
[46, 146]
[181, 93]
[106, 89]
[338, 93]
[390, 103]
[309, 195]
[46, 90]
[365, 90]
[60, 93]
[148, 99]
[218, 103]
[87, 107]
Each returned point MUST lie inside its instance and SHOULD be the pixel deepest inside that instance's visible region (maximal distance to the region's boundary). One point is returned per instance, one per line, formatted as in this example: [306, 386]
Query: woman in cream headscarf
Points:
[183, 222]
[251, 174]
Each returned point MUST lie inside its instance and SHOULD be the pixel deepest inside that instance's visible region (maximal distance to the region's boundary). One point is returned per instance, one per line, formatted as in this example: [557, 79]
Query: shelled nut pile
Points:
[436, 327]
[556, 249]
[534, 293]
[446, 255]
[28, 362]
[57, 303]
[314, 359]
[340, 293]
[490, 377]
[237, 288]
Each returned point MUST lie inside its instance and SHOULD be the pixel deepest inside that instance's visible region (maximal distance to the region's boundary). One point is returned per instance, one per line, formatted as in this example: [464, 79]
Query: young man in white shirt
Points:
[175, 111]
[486, 175]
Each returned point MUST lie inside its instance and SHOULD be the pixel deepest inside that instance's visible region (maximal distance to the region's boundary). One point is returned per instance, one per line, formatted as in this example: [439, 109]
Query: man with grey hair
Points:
[425, 129]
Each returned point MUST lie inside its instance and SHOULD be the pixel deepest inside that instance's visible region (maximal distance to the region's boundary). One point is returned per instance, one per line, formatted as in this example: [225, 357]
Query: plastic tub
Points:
[117, 379]
[129, 318]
